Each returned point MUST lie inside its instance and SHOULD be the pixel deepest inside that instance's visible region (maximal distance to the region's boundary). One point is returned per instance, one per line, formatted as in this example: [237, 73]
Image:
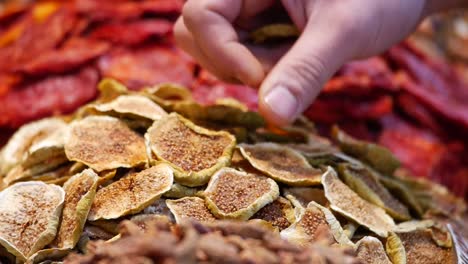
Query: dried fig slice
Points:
[281, 163]
[346, 202]
[190, 208]
[368, 186]
[420, 247]
[403, 193]
[132, 193]
[17, 147]
[233, 194]
[47, 148]
[194, 152]
[314, 220]
[29, 216]
[376, 156]
[220, 114]
[133, 106]
[105, 143]
[280, 213]
[439, 232]
[369, 250]
[79, 195]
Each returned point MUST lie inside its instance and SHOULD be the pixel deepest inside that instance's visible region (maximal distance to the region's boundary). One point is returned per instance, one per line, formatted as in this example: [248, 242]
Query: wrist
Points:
[434, 6]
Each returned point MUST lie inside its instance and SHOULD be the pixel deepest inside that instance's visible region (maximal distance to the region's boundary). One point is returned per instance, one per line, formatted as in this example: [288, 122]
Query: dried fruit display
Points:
[118, 182]
[413, 104]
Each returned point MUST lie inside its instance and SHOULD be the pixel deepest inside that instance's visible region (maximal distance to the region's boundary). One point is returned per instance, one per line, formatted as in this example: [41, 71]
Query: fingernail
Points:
[282, 102]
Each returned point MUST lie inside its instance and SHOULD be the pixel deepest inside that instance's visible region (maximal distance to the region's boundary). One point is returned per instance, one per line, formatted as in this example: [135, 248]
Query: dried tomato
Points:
[52, 95]
[133, 33]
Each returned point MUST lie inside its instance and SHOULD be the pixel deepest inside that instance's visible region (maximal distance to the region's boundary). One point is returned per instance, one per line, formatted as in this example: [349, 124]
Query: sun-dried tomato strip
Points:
[335, 109]
[418, 149]
[37, 38]
[147, 66]
[52, 95]
[413, 108]
[133, 33]
[73, 54]
[111, 11]
[446, 97]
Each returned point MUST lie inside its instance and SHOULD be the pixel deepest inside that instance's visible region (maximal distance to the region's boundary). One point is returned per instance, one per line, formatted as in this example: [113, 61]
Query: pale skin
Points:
[290, 77]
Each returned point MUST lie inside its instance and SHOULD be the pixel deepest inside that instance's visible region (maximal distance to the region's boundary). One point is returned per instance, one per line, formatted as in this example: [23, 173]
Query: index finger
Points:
[210, 22]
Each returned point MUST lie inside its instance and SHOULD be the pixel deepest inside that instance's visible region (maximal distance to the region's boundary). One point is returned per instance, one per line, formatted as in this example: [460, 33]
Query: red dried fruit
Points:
[440, 91]
[125, 10]
[146, 66]
[133, 33]
[74, 53]
[52, 95]
[419, 150]
[335, 109]
[32, 42]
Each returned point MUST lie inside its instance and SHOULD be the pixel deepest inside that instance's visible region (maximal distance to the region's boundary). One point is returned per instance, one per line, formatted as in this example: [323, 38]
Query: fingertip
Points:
[179, 31]
[279, 105]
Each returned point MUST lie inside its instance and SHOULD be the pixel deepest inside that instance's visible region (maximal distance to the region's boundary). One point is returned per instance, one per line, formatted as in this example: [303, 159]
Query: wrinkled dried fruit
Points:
[18, 173]
[313, 222]
[105, 143]
[371, 251]
[281, 163]
[367, 185]
[15, 150]
[132, 106]
[346, 202]
[79, 195]
[280, 213]
[194, 152]
[274, 32]
[190, 208]
[233, 194]
[376, 156]
[132, 193]
[29, 216]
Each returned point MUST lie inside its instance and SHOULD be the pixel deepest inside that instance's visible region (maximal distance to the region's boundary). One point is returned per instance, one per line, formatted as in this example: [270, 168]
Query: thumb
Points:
[298, 77]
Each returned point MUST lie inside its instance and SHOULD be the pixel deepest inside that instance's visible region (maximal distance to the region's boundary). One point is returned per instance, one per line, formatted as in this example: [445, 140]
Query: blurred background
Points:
[413, 99]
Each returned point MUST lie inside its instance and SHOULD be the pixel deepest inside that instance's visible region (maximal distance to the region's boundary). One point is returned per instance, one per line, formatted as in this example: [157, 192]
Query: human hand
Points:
[333, 32]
